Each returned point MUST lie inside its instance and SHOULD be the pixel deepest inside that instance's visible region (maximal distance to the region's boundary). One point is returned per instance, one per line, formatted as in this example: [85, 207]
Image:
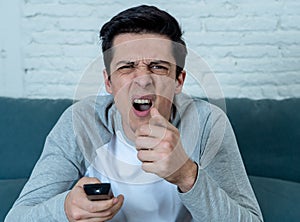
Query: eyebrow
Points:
[159, 62]
[151, 62]
[124, 62]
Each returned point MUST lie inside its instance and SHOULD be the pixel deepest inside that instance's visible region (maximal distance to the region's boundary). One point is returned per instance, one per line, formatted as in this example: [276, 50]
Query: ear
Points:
[107, 82]
[179, 82]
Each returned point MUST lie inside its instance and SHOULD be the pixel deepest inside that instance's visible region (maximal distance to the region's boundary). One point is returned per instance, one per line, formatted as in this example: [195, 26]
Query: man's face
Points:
[143, 75]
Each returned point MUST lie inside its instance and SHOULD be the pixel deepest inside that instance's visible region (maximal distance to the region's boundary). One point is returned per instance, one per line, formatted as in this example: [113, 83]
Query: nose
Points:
[143, 77]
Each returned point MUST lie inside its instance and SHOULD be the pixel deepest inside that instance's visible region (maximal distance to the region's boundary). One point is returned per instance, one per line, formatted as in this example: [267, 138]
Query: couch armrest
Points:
[9, 192]
[279, 200]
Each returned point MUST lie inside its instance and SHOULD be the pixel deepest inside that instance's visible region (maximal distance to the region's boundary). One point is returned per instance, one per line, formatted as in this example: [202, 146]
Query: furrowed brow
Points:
[124, 62]
[155, 62]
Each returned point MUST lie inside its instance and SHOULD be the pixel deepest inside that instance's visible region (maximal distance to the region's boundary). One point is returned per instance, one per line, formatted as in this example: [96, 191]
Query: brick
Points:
[270, 38]
[238, 51]
[79, 24]
[55, 91]
[88, 50]
[39, 1]
[86, 2]
[290, 51]
[191, 24]
[248, 92]
[291, 7]
[51, 77]
[266, 65]
[292, 90]
[223, 9]
[186, 10]
[258, 85]
[39, 23]
[290, 22]
[241, 24]
[57, 10]
[242, 38]
[213, 39]
[62, 64]
[61, 37]
[287, 78]
[42, 50]
[258, 78]
[295, 89]
[259, 8]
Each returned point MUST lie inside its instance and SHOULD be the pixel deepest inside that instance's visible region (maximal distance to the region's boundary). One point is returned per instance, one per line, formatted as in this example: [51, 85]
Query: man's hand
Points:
[79, 208]
[160, 149]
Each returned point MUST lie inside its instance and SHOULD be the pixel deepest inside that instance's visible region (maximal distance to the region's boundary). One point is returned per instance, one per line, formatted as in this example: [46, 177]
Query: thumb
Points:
[157, 119]
[154, 112]
[87, 180]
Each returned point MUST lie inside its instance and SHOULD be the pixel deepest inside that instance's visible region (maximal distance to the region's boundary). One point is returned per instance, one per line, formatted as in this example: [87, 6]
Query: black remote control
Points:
[98, 191]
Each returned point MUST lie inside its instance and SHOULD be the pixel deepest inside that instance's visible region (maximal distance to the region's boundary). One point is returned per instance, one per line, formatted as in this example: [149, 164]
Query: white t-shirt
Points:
[147, 197]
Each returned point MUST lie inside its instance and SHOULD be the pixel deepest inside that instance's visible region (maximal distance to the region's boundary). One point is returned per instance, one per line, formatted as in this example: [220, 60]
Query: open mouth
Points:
[142, 105]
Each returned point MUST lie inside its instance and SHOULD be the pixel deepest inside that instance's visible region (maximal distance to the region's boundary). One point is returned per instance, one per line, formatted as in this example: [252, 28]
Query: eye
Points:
[159, 69]
[126, 68]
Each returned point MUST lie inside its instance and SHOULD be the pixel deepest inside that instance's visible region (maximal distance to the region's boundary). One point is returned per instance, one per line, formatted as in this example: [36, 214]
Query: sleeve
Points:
[222, 191]
[68, 150]
[59, 167]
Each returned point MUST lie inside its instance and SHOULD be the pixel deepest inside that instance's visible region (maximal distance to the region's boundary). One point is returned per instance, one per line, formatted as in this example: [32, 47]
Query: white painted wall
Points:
[253, 47]
[11, 67]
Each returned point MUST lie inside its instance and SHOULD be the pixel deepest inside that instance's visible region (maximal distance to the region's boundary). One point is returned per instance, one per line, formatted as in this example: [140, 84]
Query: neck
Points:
[129, 134]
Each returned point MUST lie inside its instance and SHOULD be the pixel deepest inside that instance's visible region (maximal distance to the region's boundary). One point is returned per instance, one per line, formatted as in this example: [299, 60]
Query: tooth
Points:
[142, 101]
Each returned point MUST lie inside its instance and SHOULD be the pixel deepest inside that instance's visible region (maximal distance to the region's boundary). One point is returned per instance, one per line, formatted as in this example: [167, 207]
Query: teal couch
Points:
[268, 133]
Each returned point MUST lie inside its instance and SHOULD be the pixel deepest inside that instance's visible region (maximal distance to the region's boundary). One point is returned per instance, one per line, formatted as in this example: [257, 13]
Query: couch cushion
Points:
[268, 134]
[9, 192]
[279, 200]
[24, 125]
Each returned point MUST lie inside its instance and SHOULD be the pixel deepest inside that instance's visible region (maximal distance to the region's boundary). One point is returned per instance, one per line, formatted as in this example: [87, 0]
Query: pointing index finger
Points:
[157, 119]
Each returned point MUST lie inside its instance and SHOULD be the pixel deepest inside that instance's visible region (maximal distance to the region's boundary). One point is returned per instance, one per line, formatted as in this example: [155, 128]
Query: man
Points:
[168, 157]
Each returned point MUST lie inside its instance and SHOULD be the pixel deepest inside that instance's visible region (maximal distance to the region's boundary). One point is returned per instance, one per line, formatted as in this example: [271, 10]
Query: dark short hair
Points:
[144, 19]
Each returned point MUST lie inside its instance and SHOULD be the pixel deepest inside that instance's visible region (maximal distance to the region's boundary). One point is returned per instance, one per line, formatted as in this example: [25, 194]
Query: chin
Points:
[136, 123]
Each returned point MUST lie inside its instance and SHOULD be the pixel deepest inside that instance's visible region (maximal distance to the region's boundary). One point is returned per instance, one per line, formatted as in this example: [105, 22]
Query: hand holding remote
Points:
[78, 207]
[98, 191]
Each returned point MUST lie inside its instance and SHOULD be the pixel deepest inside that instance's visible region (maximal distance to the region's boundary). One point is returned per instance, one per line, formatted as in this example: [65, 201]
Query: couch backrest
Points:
[24, 125]
[268, 133]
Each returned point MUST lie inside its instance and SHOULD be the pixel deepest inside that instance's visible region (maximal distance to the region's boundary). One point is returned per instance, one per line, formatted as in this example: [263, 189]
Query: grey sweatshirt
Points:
[222, 191]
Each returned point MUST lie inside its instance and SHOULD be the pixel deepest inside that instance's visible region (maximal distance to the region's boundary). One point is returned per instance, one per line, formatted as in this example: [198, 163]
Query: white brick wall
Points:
[253, 47]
